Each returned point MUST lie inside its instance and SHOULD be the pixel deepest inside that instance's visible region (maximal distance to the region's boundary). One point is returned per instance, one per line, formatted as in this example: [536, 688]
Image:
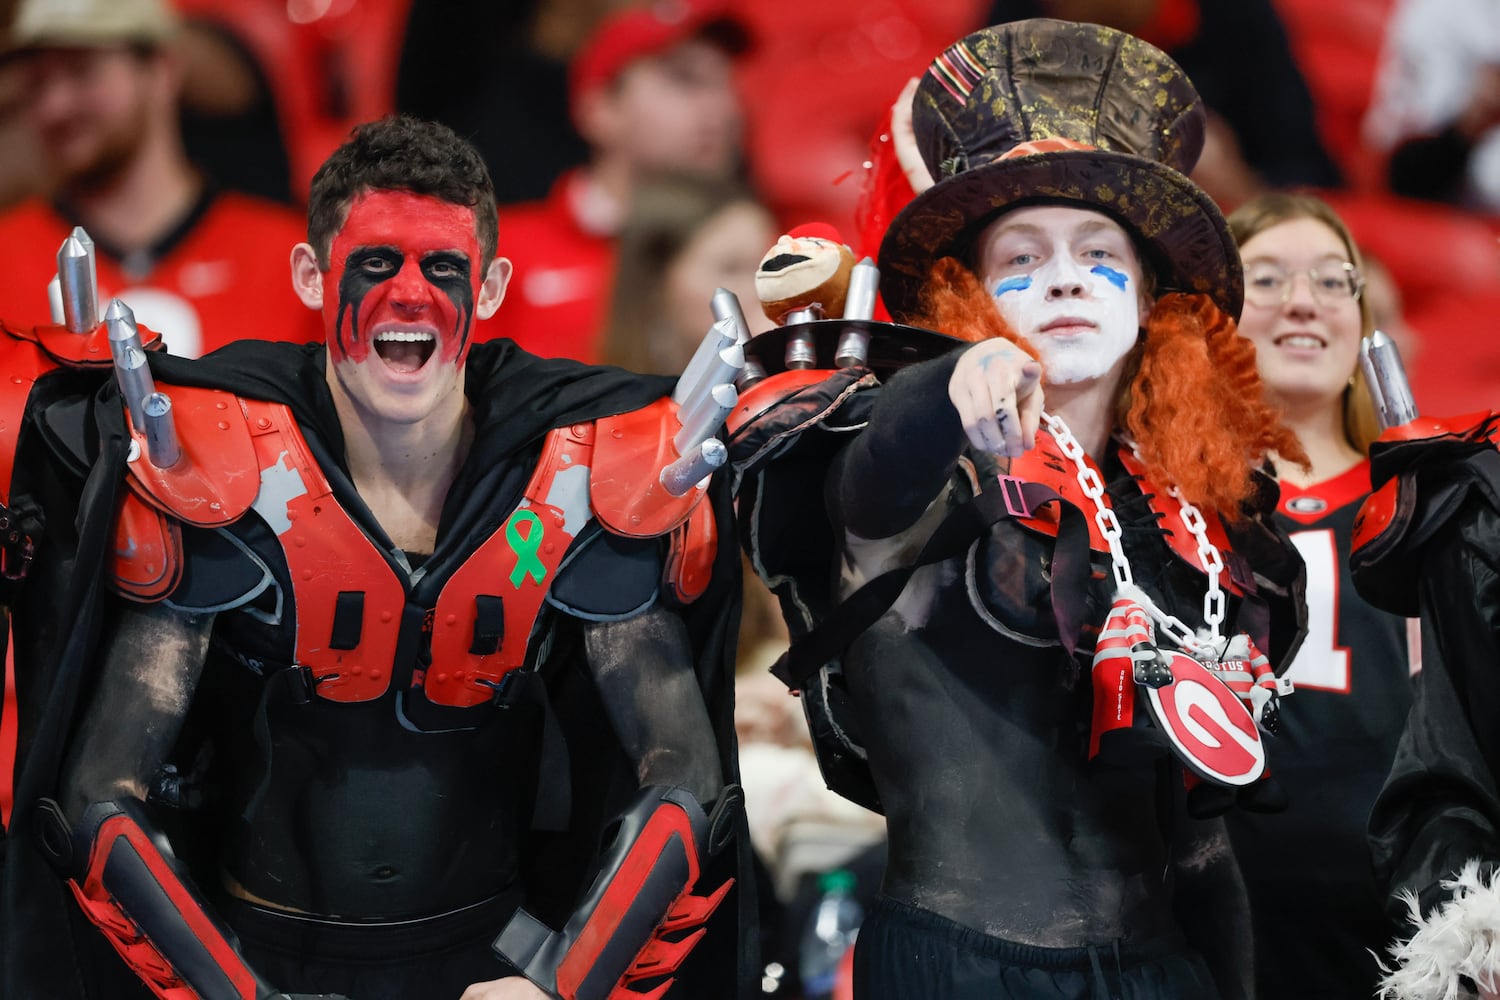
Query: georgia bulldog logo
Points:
[1210, 729]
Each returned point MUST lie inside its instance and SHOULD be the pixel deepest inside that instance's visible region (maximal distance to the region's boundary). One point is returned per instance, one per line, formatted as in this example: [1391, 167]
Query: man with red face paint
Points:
[386, 589]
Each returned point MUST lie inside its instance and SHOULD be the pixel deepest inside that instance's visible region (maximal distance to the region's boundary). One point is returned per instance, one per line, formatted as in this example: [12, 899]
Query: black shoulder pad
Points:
[606, 576]
[219, 572]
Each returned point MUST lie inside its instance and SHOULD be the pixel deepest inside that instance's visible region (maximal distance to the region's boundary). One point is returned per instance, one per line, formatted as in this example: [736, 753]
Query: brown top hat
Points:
[1047, 111]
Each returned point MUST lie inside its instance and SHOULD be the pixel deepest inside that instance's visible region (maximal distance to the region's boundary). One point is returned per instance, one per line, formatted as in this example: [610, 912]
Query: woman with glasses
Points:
[1316, 908]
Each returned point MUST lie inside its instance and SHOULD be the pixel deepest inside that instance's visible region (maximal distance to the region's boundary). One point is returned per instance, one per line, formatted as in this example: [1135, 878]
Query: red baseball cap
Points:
[647, 29]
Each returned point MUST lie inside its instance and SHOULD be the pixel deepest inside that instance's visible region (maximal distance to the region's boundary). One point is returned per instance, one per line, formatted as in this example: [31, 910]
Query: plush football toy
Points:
[808, 268]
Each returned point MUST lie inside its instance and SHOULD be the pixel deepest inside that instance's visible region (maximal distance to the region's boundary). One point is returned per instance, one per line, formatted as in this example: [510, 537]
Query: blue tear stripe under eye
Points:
[1019, 283]
[1117, 278]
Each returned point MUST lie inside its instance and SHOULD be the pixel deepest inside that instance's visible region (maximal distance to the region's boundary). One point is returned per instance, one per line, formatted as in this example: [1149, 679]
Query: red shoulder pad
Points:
[214, 481]
[1420, 428]
[78, 350]
[690, 554]
[1383, 514]
[147, 561]
[768, 392]
[630, 450]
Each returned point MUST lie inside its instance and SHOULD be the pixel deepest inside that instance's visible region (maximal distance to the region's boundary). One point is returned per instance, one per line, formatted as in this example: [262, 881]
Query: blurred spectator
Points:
[820, 80]
[200, 266]
[684, 237]
[310, 69]
[230, 125]
[1437, 102]
[501, 80]
[652, 93]
[1261, 128]
[1337, 48]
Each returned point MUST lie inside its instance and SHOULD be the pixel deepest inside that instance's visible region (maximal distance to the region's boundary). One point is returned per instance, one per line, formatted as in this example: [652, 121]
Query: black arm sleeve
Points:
[1441, 805]
[886, 478]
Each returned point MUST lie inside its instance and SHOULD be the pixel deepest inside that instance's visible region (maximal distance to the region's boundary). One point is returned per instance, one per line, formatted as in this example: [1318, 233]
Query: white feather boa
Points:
[1459, 938]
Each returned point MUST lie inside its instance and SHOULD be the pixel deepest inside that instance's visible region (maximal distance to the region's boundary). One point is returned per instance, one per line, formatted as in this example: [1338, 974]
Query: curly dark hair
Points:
[401, 153]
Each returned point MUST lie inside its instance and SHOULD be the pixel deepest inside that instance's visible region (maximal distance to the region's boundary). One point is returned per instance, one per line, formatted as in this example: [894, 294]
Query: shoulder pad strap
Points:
[630, 450]
[1046, 466]
[214, 482]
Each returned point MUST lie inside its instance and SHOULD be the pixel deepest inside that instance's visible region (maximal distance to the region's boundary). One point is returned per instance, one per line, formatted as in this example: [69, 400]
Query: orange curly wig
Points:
[1192, 402]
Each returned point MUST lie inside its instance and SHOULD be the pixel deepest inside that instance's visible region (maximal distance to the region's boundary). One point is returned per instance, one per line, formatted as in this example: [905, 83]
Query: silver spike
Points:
[801, 350]
[726, 305]
[719, 336]
[54, 300]
[692, 468]
[131, 369]
[1381, 361]
[75, 275]
[754, 372]
[725, 367]
[705, 419]
[162, 448]
[853, 349]
[864, 282]
[82, 236]
[859, 304]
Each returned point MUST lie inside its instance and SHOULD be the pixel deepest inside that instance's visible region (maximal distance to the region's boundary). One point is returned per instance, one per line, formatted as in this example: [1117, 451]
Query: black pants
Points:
[904, 953]
[435, 958]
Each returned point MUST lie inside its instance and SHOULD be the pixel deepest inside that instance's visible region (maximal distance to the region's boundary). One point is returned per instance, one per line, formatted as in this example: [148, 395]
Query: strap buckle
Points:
[1015, 499]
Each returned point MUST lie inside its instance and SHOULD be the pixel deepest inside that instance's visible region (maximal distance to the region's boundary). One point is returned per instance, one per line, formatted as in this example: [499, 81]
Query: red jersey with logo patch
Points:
[222, 275]
[559, 292]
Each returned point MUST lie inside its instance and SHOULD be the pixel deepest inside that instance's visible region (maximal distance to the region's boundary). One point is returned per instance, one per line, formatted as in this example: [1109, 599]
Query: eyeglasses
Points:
[1332, 284]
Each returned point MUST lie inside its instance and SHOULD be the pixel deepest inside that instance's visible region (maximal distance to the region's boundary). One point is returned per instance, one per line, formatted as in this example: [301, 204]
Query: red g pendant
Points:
[1209, 727]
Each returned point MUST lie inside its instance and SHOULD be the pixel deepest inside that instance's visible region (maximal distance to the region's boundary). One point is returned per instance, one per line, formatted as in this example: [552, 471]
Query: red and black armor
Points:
[349, 602]
[639, 918]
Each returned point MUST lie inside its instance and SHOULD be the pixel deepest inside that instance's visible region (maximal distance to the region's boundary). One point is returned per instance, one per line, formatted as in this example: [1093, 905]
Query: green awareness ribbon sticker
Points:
[525, 547]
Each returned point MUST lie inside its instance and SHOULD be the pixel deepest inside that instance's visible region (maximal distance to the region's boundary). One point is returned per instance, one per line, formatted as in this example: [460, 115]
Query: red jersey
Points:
[222, 276]
[559, 292]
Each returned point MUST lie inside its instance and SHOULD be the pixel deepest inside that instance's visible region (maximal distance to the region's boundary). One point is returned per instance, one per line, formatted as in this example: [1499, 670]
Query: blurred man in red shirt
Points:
[652, 92]
[199, 265]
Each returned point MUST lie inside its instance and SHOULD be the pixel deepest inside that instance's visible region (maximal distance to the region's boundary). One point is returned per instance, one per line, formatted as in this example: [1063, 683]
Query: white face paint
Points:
[1069, 281]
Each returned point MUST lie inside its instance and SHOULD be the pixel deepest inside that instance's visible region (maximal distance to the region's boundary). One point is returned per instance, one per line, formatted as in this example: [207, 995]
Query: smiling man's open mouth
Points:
[405, 351]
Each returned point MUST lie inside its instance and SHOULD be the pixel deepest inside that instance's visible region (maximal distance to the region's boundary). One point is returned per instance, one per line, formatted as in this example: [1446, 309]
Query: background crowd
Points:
[647, 154]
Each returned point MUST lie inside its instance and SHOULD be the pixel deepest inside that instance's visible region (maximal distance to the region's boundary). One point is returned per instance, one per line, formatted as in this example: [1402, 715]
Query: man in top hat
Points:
[1076, 494]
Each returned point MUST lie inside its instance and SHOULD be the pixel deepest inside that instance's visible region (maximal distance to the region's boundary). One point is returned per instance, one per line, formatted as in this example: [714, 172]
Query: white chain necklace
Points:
[1207, 644]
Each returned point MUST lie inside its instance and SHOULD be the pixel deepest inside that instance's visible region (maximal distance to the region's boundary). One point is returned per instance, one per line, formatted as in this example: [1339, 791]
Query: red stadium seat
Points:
[1337, 46]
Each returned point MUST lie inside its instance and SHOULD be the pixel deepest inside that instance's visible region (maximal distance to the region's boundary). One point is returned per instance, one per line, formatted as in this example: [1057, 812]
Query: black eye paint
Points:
[364, 268]
[450, 273]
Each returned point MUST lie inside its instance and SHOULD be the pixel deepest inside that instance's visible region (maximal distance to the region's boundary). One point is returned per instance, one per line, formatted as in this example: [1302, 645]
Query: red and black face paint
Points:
[406, 269]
